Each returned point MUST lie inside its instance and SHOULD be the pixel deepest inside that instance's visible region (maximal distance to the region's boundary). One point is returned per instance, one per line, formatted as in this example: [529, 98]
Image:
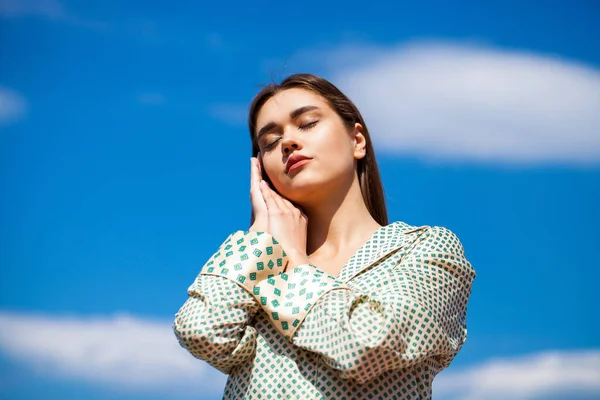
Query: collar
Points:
[387, 239]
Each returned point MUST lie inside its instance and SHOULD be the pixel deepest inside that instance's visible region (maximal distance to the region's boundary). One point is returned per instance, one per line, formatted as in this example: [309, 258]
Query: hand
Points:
[259, 206]
[287, 224]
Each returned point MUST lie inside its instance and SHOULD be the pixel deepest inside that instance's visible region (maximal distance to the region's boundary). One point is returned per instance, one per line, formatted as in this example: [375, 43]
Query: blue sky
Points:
[124, 162]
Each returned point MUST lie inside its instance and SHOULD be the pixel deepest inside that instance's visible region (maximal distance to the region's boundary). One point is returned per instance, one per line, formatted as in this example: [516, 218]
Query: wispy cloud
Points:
[569, 375]
[233, 114]
[215, 41]
[121, 352]
[448, 102]
[48, 9]
[45, 8]
[13, 106]
[152, 99]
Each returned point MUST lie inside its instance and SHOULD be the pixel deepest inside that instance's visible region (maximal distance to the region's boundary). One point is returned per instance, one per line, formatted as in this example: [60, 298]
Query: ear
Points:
[360, 141]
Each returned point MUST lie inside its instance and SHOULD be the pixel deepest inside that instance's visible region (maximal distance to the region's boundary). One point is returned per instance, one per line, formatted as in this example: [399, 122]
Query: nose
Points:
[290, 144]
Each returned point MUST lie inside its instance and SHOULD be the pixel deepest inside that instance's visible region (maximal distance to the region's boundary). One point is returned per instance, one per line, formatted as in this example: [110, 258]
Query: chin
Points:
[300, 188]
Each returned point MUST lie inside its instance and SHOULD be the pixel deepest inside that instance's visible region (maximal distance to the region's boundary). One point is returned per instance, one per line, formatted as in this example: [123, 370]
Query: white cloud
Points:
[121, 352]
[140, 355]
[46, 8]
[446, 102]
[152, 99]
[570, 374]
[13, 106]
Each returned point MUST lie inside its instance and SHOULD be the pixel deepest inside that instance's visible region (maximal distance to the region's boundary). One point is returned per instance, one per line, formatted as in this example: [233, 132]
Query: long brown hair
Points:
[367, 169]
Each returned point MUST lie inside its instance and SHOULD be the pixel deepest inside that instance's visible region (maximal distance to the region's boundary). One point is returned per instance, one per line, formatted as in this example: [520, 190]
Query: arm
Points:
[418, 314]
[213, 323]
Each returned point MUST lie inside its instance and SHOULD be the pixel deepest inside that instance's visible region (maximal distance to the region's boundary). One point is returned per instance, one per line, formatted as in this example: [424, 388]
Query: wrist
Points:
[297, 257]
[259, 225]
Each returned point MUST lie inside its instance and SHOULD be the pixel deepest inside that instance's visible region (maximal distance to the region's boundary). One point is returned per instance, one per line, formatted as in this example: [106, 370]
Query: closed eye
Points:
[306, 127]
[272, 144]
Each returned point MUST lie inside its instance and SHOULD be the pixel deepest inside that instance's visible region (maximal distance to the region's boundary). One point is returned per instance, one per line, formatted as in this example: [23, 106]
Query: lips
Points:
[295, 159]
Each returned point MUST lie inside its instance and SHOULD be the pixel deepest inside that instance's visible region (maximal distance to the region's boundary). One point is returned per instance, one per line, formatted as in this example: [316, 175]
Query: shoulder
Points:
[438, 244]
[438, 238]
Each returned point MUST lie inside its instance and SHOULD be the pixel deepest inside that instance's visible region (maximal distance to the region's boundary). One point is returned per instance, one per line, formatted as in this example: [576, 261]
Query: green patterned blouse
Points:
[392, 319]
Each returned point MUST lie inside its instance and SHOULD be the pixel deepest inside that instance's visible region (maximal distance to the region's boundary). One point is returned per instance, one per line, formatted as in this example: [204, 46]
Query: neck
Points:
[338, 219]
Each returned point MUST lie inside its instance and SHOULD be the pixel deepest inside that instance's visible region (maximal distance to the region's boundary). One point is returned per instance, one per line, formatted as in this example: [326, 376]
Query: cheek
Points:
[269, 167]
[341, 161]
[338, 147]
[334, 136]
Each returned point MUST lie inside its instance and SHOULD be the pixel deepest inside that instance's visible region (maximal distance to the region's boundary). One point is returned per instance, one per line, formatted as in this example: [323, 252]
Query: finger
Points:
[256, 176]
[302, 213]
[287, 204]
[255, 172]
[277, 201]
[267, 196]
[259, 207]
[276, 197]
[303, 217]
[282, 205]
[259, 165]
[255, 193]
[252, 174]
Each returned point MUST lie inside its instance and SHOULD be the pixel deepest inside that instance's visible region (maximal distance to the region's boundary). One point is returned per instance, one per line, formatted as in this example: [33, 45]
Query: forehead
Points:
[283, 103]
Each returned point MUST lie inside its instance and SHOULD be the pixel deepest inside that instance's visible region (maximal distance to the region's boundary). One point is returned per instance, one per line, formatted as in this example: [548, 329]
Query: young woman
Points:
[321, 298]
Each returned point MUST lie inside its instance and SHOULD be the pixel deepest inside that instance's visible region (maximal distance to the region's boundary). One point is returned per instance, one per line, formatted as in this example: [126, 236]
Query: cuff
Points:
[247, 258]
[288, 297]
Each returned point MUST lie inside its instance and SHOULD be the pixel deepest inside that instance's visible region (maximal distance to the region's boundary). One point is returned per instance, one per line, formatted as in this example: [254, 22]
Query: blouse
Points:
[393, 317]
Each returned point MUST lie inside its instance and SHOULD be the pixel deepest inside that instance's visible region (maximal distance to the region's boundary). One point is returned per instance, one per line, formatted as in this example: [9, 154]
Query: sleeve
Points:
[213, 323]
[417, 313]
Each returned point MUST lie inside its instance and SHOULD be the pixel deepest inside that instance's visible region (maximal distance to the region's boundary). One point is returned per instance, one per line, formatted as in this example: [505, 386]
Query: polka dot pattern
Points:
[247, 258]
[383, 328]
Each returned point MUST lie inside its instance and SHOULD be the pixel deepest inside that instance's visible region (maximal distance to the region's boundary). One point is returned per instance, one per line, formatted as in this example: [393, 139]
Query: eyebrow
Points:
[293, 115]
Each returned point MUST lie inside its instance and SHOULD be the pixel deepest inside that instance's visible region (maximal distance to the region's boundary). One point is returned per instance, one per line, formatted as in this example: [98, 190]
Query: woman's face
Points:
[298, 122]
